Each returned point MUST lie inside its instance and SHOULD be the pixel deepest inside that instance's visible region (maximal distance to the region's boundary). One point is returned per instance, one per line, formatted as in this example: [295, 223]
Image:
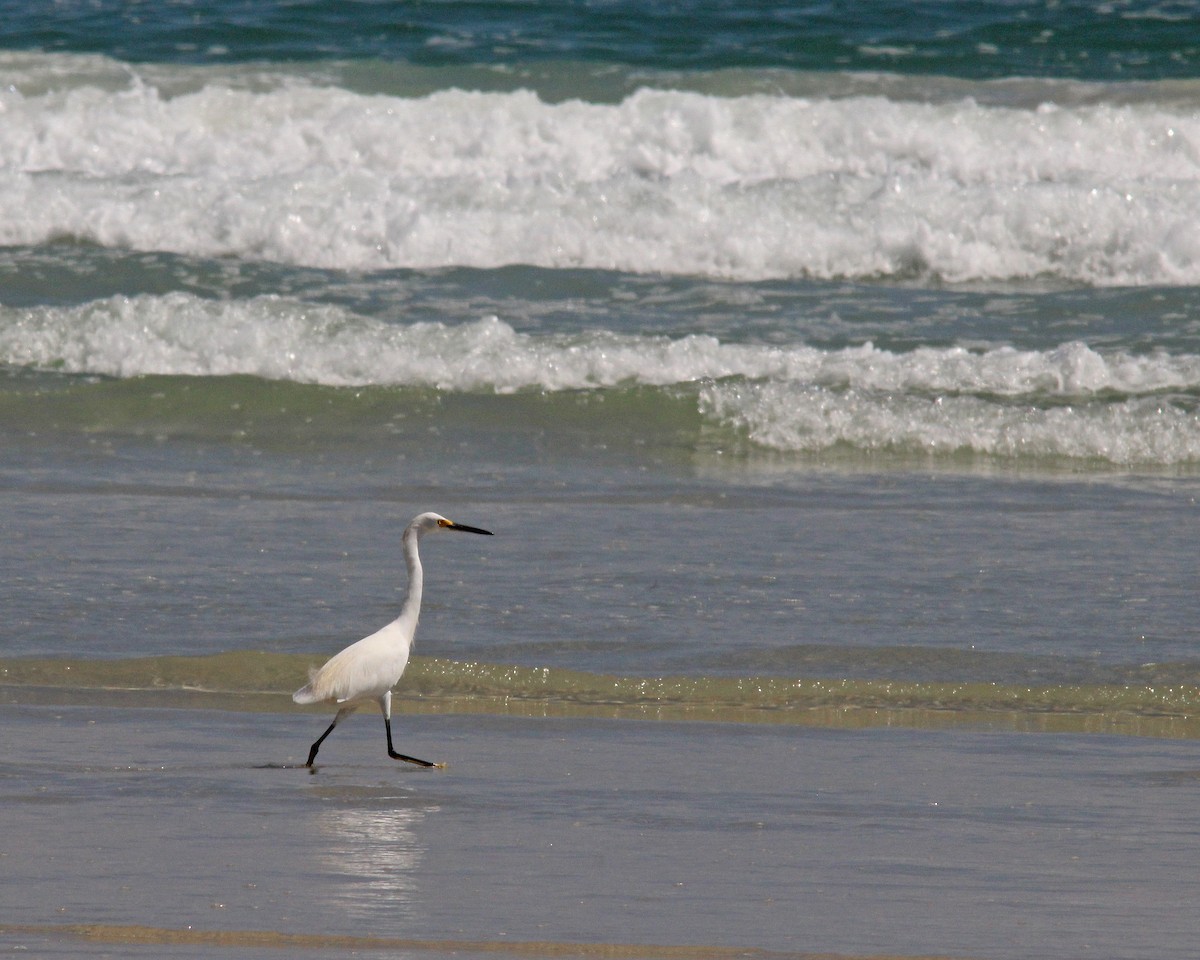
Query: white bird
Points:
[367, 670]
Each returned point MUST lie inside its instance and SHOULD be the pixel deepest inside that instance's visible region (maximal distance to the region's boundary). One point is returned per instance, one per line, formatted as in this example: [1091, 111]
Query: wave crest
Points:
[746, 187]
[1071, 401]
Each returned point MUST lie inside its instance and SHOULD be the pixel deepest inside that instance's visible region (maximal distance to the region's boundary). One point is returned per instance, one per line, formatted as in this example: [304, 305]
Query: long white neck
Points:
[411, 610]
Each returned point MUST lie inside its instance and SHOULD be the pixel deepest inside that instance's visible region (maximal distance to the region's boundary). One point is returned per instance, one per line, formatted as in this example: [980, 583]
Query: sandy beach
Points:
[187, 830]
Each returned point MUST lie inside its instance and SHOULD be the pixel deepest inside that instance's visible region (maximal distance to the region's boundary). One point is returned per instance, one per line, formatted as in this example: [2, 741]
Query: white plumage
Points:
[368, 669]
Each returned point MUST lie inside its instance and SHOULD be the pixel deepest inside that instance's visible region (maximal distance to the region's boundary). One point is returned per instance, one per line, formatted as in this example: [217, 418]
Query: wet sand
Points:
[191, 833]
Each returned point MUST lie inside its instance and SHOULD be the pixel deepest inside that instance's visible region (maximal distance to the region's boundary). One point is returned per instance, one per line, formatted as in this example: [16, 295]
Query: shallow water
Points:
[604, 561]
[889, 841]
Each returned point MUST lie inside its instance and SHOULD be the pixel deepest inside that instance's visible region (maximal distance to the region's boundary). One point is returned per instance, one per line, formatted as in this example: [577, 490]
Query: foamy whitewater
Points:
[1089, 183]
[1070, 401]
[855, 178]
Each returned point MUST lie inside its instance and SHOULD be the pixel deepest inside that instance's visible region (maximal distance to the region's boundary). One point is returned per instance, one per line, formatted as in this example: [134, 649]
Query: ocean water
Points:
[830, 378]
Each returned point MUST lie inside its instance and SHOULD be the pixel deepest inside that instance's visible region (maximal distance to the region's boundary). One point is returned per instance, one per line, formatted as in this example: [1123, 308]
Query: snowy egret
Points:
[367, 670]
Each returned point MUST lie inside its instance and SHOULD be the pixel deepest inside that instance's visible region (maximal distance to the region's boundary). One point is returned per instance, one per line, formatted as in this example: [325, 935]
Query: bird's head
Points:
[425, 522]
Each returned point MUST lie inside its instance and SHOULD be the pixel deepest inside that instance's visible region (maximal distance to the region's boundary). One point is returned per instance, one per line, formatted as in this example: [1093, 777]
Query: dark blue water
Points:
[1142, 40]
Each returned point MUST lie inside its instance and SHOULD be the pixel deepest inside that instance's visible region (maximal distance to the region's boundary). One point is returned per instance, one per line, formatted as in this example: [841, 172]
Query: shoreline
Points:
[835, 716]
[141, 935]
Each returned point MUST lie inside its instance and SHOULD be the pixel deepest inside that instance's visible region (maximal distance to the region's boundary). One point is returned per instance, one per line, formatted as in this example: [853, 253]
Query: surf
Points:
[675, 176]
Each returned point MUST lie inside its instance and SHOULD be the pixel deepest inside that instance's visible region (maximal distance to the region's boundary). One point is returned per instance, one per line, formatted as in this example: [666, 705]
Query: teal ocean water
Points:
[830, 378]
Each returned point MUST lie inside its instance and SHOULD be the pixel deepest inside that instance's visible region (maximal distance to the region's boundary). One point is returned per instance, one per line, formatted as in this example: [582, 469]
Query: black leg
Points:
[312, 754]
[387, 722]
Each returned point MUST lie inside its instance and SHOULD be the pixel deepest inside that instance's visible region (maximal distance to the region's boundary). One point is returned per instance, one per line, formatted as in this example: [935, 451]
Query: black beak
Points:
[465, 529]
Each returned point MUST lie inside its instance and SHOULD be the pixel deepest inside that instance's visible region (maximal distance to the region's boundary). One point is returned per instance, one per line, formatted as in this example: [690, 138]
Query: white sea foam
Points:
[796, 417]
[280, 339]
[671, 181]
[1072, 401]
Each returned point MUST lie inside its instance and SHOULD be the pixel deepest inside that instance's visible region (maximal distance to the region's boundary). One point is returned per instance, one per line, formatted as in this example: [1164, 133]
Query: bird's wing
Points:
[362, 671]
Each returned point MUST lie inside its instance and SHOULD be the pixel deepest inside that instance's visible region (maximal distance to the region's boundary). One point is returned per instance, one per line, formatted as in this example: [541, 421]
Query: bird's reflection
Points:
[373, 854]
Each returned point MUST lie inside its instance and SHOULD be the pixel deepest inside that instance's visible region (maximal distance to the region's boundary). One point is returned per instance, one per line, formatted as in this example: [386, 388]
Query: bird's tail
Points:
[304, 695]
[307, 693]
